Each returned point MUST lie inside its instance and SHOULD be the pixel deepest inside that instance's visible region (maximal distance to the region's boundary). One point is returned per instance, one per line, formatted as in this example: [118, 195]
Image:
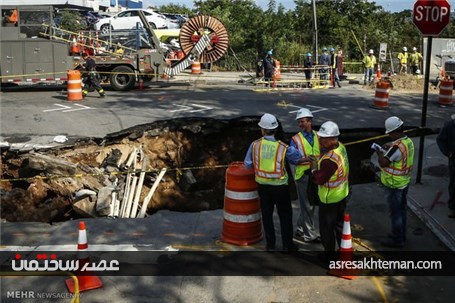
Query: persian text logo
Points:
[42, 263]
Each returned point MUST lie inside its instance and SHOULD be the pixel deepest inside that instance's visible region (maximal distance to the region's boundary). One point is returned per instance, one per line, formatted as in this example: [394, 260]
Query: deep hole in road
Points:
[77, 180]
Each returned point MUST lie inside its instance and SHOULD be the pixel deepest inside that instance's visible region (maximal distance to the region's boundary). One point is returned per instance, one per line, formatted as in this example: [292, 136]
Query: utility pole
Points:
[315, 33]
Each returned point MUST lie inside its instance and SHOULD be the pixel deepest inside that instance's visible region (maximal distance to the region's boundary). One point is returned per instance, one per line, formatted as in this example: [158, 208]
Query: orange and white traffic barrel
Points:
[242, 209]
[381, 97]
[75, 49]
[277, 74]
[74, 86]
[196, 67]
[445, 92]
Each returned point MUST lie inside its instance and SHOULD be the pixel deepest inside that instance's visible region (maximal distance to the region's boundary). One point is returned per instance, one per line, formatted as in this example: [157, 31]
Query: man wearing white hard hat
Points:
[446, 143]
[414, 61]
[267, 157]
[369, 61]
[396, 160]
[331, 174]
[307, 142]
[403, 60]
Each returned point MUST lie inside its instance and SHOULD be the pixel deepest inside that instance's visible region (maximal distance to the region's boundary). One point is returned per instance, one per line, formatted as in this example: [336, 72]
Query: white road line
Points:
[73, 110]
[62, 108]
[179, 110]
[319, 109]
[200, 110]
[92, 247]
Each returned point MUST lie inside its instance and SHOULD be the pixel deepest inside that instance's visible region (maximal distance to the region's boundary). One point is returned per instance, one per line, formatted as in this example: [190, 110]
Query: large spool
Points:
[194, 28]
[242, 210]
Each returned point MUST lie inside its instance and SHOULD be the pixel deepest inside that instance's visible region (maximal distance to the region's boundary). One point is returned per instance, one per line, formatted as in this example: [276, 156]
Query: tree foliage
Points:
[353, 25]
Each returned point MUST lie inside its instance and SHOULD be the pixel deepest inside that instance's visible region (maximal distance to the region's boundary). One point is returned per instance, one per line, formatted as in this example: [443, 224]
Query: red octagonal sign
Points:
[431, 16]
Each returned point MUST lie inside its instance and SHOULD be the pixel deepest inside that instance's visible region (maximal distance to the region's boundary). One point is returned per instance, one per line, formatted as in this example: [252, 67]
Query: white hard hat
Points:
[371, 51]
[405, 49]
[414, 48]
[392, 123]
[328, 129]
[303, 113]
[268, 121]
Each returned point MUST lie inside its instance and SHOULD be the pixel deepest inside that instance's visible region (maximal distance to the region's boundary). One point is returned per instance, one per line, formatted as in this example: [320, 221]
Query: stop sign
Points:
[431, 16]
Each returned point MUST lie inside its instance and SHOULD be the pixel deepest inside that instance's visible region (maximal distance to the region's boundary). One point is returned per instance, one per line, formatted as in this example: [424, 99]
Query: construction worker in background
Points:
[12, 17]
[396, 160]
[369, 61]
[324, 60]
[267, 157]
[414, 61]
[91, 77]
[334, 66]
[403, 60]
[268, 63]
[307, 142]
[446, 144]
[308, 67]
[331, 173]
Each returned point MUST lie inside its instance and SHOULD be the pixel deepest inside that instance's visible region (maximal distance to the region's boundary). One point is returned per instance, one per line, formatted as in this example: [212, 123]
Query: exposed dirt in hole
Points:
[73, 181]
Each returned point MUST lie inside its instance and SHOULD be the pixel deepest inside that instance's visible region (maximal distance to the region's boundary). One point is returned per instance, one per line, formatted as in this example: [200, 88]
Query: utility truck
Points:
[35, 51]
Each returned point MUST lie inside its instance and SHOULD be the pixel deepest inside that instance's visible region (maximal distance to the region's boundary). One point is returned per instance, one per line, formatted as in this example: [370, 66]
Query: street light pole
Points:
[315, 33]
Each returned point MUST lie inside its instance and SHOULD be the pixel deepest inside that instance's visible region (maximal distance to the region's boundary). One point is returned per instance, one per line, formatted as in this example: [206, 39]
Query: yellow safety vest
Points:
[268, 161]
[337, 188]
[403, 57]
[398, 173]
[369, 62]
[415, 58]
[305, 150]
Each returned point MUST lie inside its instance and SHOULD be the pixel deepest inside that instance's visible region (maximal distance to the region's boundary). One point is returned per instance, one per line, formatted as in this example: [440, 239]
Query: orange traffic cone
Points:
[346, 252]
[378, 74]
[141, 83]
[85, 282]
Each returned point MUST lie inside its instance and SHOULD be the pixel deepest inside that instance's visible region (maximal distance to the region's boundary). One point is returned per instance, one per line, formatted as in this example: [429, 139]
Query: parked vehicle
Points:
[172, 23]
[177, 18]
[128, 19]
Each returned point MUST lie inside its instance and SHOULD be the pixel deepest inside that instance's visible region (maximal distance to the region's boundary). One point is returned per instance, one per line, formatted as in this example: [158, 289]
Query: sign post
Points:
[430, 17]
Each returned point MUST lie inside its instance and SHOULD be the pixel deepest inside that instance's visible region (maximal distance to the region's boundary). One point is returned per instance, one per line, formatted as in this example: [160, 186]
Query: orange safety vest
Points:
[13, 18]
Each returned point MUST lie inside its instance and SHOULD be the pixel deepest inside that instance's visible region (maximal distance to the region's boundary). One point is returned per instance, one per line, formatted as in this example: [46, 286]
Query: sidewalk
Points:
[434, 184]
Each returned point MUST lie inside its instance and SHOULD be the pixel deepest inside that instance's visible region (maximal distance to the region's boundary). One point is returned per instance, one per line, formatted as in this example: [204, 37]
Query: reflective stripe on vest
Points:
[337, 188]
[305, 150]
[268, 161]
[398, 173]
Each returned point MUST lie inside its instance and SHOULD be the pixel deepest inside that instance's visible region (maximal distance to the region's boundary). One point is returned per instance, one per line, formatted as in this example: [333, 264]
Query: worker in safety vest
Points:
[369, 62]
[331, 173]
[414, 61]
[396, 160]
[324, 60]
[307, 142]
[91, 79]
[267, 157]
[12, 17]
[268, 63]
[403, 60]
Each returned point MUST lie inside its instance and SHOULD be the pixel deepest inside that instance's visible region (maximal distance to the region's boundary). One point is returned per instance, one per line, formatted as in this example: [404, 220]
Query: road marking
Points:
[67, 109]
[190, 109]
[317, 108]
